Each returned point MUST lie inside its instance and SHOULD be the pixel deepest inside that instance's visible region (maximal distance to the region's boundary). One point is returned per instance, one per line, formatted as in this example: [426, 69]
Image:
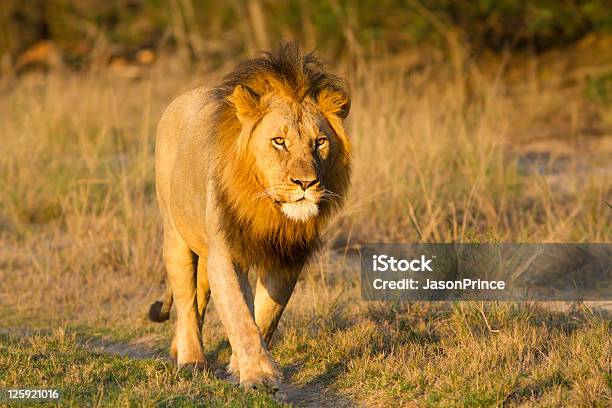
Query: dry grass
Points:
[435, 160]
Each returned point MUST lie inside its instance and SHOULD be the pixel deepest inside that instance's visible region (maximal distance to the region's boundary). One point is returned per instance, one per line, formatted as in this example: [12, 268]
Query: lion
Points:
[248, 174]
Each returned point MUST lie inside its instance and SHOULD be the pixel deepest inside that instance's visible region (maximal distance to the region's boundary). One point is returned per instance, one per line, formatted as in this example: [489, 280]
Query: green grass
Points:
[85, 378]
[428, 355]
[450, 358]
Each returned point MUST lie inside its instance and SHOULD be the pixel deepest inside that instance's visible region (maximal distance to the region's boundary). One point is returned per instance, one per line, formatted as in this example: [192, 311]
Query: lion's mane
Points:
[256, 230]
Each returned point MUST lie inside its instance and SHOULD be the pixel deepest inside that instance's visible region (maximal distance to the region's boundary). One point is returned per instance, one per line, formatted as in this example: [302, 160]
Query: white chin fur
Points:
[300, 211]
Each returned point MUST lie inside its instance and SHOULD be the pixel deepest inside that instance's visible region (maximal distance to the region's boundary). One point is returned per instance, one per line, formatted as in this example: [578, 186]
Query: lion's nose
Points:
[305, 184]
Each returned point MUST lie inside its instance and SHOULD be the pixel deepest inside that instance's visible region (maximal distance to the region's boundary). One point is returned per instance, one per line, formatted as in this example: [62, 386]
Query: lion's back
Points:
[180, 165]
[178, 118]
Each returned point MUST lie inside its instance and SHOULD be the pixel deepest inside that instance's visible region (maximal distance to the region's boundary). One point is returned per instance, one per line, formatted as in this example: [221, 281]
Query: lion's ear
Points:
[334, 102]
[246, 102]
[248, 111]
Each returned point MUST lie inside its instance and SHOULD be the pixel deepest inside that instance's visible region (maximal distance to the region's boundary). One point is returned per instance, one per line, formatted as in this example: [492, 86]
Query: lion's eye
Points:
[321, 141]
[278, 141]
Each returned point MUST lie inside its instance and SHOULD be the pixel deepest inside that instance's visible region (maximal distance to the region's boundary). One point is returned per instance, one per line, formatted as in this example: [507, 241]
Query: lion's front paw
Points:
[233, 371]
[261, 382]
[263, 375]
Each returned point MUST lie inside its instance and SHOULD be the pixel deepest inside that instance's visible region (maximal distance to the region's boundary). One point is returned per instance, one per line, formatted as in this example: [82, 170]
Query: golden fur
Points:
[258, 232]
[247, 175]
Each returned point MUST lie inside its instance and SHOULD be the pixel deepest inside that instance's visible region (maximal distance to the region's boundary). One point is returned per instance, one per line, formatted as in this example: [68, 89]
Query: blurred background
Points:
[81, 33]
[85, 32]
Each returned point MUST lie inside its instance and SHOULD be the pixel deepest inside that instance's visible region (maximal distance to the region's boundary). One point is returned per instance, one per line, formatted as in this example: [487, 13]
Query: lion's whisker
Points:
[329, 193]
[263, 194]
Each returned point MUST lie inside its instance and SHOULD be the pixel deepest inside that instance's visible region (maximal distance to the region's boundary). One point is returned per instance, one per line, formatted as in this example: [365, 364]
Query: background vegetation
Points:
[488, 121]
[216, 29]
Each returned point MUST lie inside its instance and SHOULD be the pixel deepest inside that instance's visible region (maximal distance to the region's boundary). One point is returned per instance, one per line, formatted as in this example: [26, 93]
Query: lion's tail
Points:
[159, 311]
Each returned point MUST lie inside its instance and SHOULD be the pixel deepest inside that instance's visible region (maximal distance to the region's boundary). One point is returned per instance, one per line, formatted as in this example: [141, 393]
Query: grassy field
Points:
[442, 153]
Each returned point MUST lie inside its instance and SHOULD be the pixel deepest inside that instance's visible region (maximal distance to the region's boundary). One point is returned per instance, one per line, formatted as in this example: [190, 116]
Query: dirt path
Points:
[312, 395]
[308, 395]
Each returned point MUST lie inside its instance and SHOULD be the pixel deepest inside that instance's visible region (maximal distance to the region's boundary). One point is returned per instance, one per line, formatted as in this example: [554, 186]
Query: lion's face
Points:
[293, 146]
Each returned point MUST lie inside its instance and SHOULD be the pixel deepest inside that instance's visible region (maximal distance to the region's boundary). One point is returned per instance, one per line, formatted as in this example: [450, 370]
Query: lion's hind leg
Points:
[271, 296]
[203, 287]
